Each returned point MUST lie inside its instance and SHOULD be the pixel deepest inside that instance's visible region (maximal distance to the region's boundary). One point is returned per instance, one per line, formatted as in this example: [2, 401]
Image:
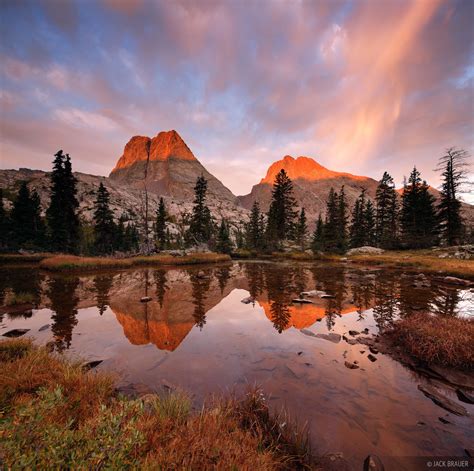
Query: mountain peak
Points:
[304, 168]
[165, 145]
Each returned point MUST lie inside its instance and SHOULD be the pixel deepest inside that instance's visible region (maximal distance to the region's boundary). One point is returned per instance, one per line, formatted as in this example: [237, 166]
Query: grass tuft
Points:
[446, 341]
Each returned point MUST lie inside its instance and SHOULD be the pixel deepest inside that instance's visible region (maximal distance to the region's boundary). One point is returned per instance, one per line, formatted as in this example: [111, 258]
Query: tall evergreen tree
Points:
[418, 216]
[254, 234]
[104, 226]
[26, 219]
[160, 226]
[282, 213]
[357, 230]
[386, 213]
[331, 224]
[301, 229]
[342, 221]
[201, 227]
[131, 239]
[4, 223]
[63, 221]
[224, 244]
[317, 242]
[369, 224]
[454, 166]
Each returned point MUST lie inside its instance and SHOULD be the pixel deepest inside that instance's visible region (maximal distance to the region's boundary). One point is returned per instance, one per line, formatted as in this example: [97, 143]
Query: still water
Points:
[198, 335]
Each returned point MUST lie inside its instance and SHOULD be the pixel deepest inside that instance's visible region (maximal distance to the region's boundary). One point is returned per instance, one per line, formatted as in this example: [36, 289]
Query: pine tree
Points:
[160, 227]
[104, 226]
[386, 218]
[454, 166]
[342, 221]
[369, 224]
[332, 222]
[254, 234]
[224, 244]
[418, 216]
[301, 229]
[4, 223]
[26, 219]
[119, 242]
[201, 227]
[317, 242]
[282, 213]
[357, 231]
[63, 221]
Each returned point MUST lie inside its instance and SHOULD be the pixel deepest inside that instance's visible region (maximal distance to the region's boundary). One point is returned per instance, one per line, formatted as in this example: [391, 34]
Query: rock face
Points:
[311, 182]
[167, 166]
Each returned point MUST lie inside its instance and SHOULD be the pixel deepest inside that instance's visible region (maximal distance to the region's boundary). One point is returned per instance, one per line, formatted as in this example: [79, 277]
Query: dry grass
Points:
[447, 341]
[55, 416]
[71, 262]
[420, 260]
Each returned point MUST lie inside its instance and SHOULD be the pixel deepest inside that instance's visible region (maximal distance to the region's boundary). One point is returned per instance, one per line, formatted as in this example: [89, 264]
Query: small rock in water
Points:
[45, 327]
[351, 366]
[332, 337]
[302, 301]
[443, 420]
[311, 294]
[354, 332]
[441, 400]
[366, 330]
[465, 396]
[327, 296]
[308, 332]
[300, 353]
[371, 357]
[145, 299]
[457, 281]
[373, 350]
[373, 463]
[248, 300]
[91, 364]
[15, 333]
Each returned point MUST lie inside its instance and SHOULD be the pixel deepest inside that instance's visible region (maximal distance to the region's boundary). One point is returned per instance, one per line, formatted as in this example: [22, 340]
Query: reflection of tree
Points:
[414, 299]
[20, 281]
[386, 302]
[280, 315]
[62, 295]
[102, 284]
[334, 285]
[362, 293]
[201, 283]
[160, 277]
[300, 277]
[223, 275]
[254, 272]
[446, 301]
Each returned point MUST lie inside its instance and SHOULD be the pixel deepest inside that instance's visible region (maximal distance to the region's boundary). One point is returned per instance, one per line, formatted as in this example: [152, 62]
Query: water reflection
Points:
[181, 298]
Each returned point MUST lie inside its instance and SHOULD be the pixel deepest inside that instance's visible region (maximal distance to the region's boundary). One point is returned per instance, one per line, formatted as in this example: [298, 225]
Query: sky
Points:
[361, 86]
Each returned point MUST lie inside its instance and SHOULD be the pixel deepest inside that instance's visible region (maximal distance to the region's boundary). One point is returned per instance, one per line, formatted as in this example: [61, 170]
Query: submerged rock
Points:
[248, 300]
[441, 400]
[332, 337]
[465, 396]
[308, 332]
[145, 299]
[373, 463]
[15, 333]
[44, 327]
[351, 366]
[354, 332]
[301, 301]
[371, 357]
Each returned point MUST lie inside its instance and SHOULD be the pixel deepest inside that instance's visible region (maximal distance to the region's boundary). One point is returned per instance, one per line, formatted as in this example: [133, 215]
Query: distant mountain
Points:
[311, 182]
[169, 168]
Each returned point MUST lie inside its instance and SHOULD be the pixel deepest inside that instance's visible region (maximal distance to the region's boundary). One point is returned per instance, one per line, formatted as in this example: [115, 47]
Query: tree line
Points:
[412, 220]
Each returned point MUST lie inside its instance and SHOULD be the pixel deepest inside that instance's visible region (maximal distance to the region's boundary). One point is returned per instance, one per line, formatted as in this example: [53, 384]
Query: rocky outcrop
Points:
[365, 250]
[166, 166]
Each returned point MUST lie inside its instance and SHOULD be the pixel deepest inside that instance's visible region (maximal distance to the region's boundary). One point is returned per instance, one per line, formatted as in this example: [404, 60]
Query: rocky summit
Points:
[166, 166]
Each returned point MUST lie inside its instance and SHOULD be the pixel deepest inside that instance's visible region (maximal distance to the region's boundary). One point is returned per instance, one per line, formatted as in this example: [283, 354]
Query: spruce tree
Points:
[301, 229]
[369, 224]
[119, 242]
[63, 221]
[282, 213]
[160, 226]
[201, 227]
[454, 166]
[224, 244]
[342, 221]
[254, 233]
[386, 213]
[357, 231]
[418, 215]
[104, 226]
[317, 242]
[332, 222]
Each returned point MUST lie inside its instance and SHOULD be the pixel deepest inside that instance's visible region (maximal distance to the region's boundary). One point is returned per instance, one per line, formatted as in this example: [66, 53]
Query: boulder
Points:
[366, 250]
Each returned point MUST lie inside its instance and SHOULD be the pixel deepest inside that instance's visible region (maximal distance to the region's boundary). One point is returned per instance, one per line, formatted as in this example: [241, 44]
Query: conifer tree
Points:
[317, 242]
[201, 227]
[254, 233]
[26, 219]
[4, 223]
[357, 231]
[386, 213]
[369, 224]
[131, 239]
[63, 221]
[282, 213]
[332, 222]
[160, 227]
[104, 226]
[342, 221]
[119, 242]
[454, 166]
[301, 229]
[418, 216]
[224, 244]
